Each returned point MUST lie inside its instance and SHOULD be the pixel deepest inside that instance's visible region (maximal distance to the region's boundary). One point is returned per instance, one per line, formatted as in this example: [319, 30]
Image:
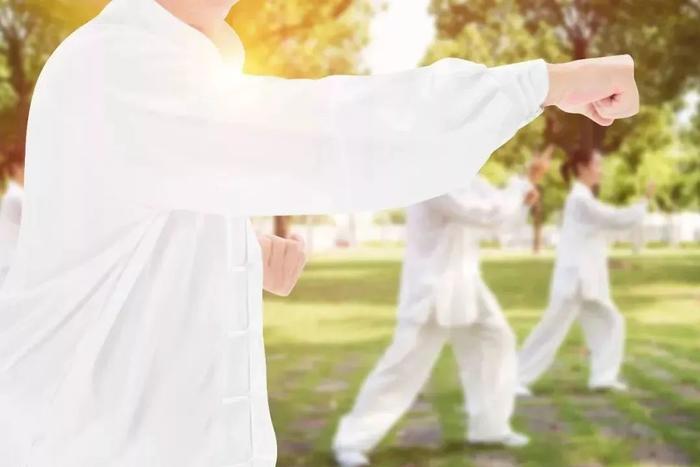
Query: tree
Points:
[647, 152]
[685, 186]
[28, 33]
[501, 36]
[661, 35]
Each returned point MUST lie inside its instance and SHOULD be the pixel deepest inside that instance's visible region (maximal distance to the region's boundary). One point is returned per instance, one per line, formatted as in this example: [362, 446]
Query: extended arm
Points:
[594, 212]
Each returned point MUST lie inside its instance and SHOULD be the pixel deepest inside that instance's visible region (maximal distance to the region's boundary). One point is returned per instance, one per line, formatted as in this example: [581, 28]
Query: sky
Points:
[691, 101]
[399, 35]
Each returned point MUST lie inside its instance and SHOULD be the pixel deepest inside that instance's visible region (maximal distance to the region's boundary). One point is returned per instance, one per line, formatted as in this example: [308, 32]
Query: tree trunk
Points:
[537, 222]
[282, 226]
[14, 145]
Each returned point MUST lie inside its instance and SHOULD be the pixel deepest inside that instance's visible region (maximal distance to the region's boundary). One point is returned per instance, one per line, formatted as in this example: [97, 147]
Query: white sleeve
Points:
[594, 212]
[179, 139]
[497, 209]
[515, 193]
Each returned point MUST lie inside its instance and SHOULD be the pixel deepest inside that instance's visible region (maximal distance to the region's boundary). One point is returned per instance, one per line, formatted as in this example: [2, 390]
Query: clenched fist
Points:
[603, 89]
[283, 261]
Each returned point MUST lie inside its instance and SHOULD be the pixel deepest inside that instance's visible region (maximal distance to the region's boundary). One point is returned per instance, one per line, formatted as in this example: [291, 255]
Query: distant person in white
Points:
[443, 298]
[580, 287]
[10, 217]
[131, 318]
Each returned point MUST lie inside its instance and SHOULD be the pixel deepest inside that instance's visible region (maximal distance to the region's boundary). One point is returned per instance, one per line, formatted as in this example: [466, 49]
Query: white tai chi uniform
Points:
[10, 217]
[131, 320]
[443, 298]
[580, 289]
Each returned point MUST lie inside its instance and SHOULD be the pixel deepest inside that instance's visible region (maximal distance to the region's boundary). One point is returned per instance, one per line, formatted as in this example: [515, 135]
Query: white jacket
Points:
[441, 271]
[582, 252]
[10, 217]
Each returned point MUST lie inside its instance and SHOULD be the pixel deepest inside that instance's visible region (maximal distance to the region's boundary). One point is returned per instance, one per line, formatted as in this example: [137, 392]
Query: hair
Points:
[569, 168]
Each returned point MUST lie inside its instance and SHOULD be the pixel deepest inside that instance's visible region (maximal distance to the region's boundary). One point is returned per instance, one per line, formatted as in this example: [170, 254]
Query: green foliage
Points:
[301, 38]
[686, 185]
[647, 154]
[663, 38]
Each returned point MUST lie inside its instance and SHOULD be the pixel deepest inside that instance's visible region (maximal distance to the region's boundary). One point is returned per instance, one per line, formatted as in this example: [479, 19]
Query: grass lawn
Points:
[323, 340]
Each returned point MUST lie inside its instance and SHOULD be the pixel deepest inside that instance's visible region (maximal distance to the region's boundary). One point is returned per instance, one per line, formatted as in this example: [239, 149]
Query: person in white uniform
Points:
[131, 318]
[580, 287]
[10, 218]
[443, 298]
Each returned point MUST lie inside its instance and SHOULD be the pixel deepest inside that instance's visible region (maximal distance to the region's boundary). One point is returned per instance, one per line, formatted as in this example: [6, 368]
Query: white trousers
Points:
[486, 356]
[604, 332]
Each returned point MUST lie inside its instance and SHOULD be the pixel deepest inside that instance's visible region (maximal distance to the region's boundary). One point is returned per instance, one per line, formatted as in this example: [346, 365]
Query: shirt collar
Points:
[580, 188]
[151, 15]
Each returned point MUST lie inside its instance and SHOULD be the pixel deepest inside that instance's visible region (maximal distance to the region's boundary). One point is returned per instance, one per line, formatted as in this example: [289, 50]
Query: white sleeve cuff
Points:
[527, 83]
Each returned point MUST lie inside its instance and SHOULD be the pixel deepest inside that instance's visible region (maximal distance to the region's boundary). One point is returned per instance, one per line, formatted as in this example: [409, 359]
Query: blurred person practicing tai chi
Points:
[443, 298]
[580, 287]
[131, 318]
[10, 217]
